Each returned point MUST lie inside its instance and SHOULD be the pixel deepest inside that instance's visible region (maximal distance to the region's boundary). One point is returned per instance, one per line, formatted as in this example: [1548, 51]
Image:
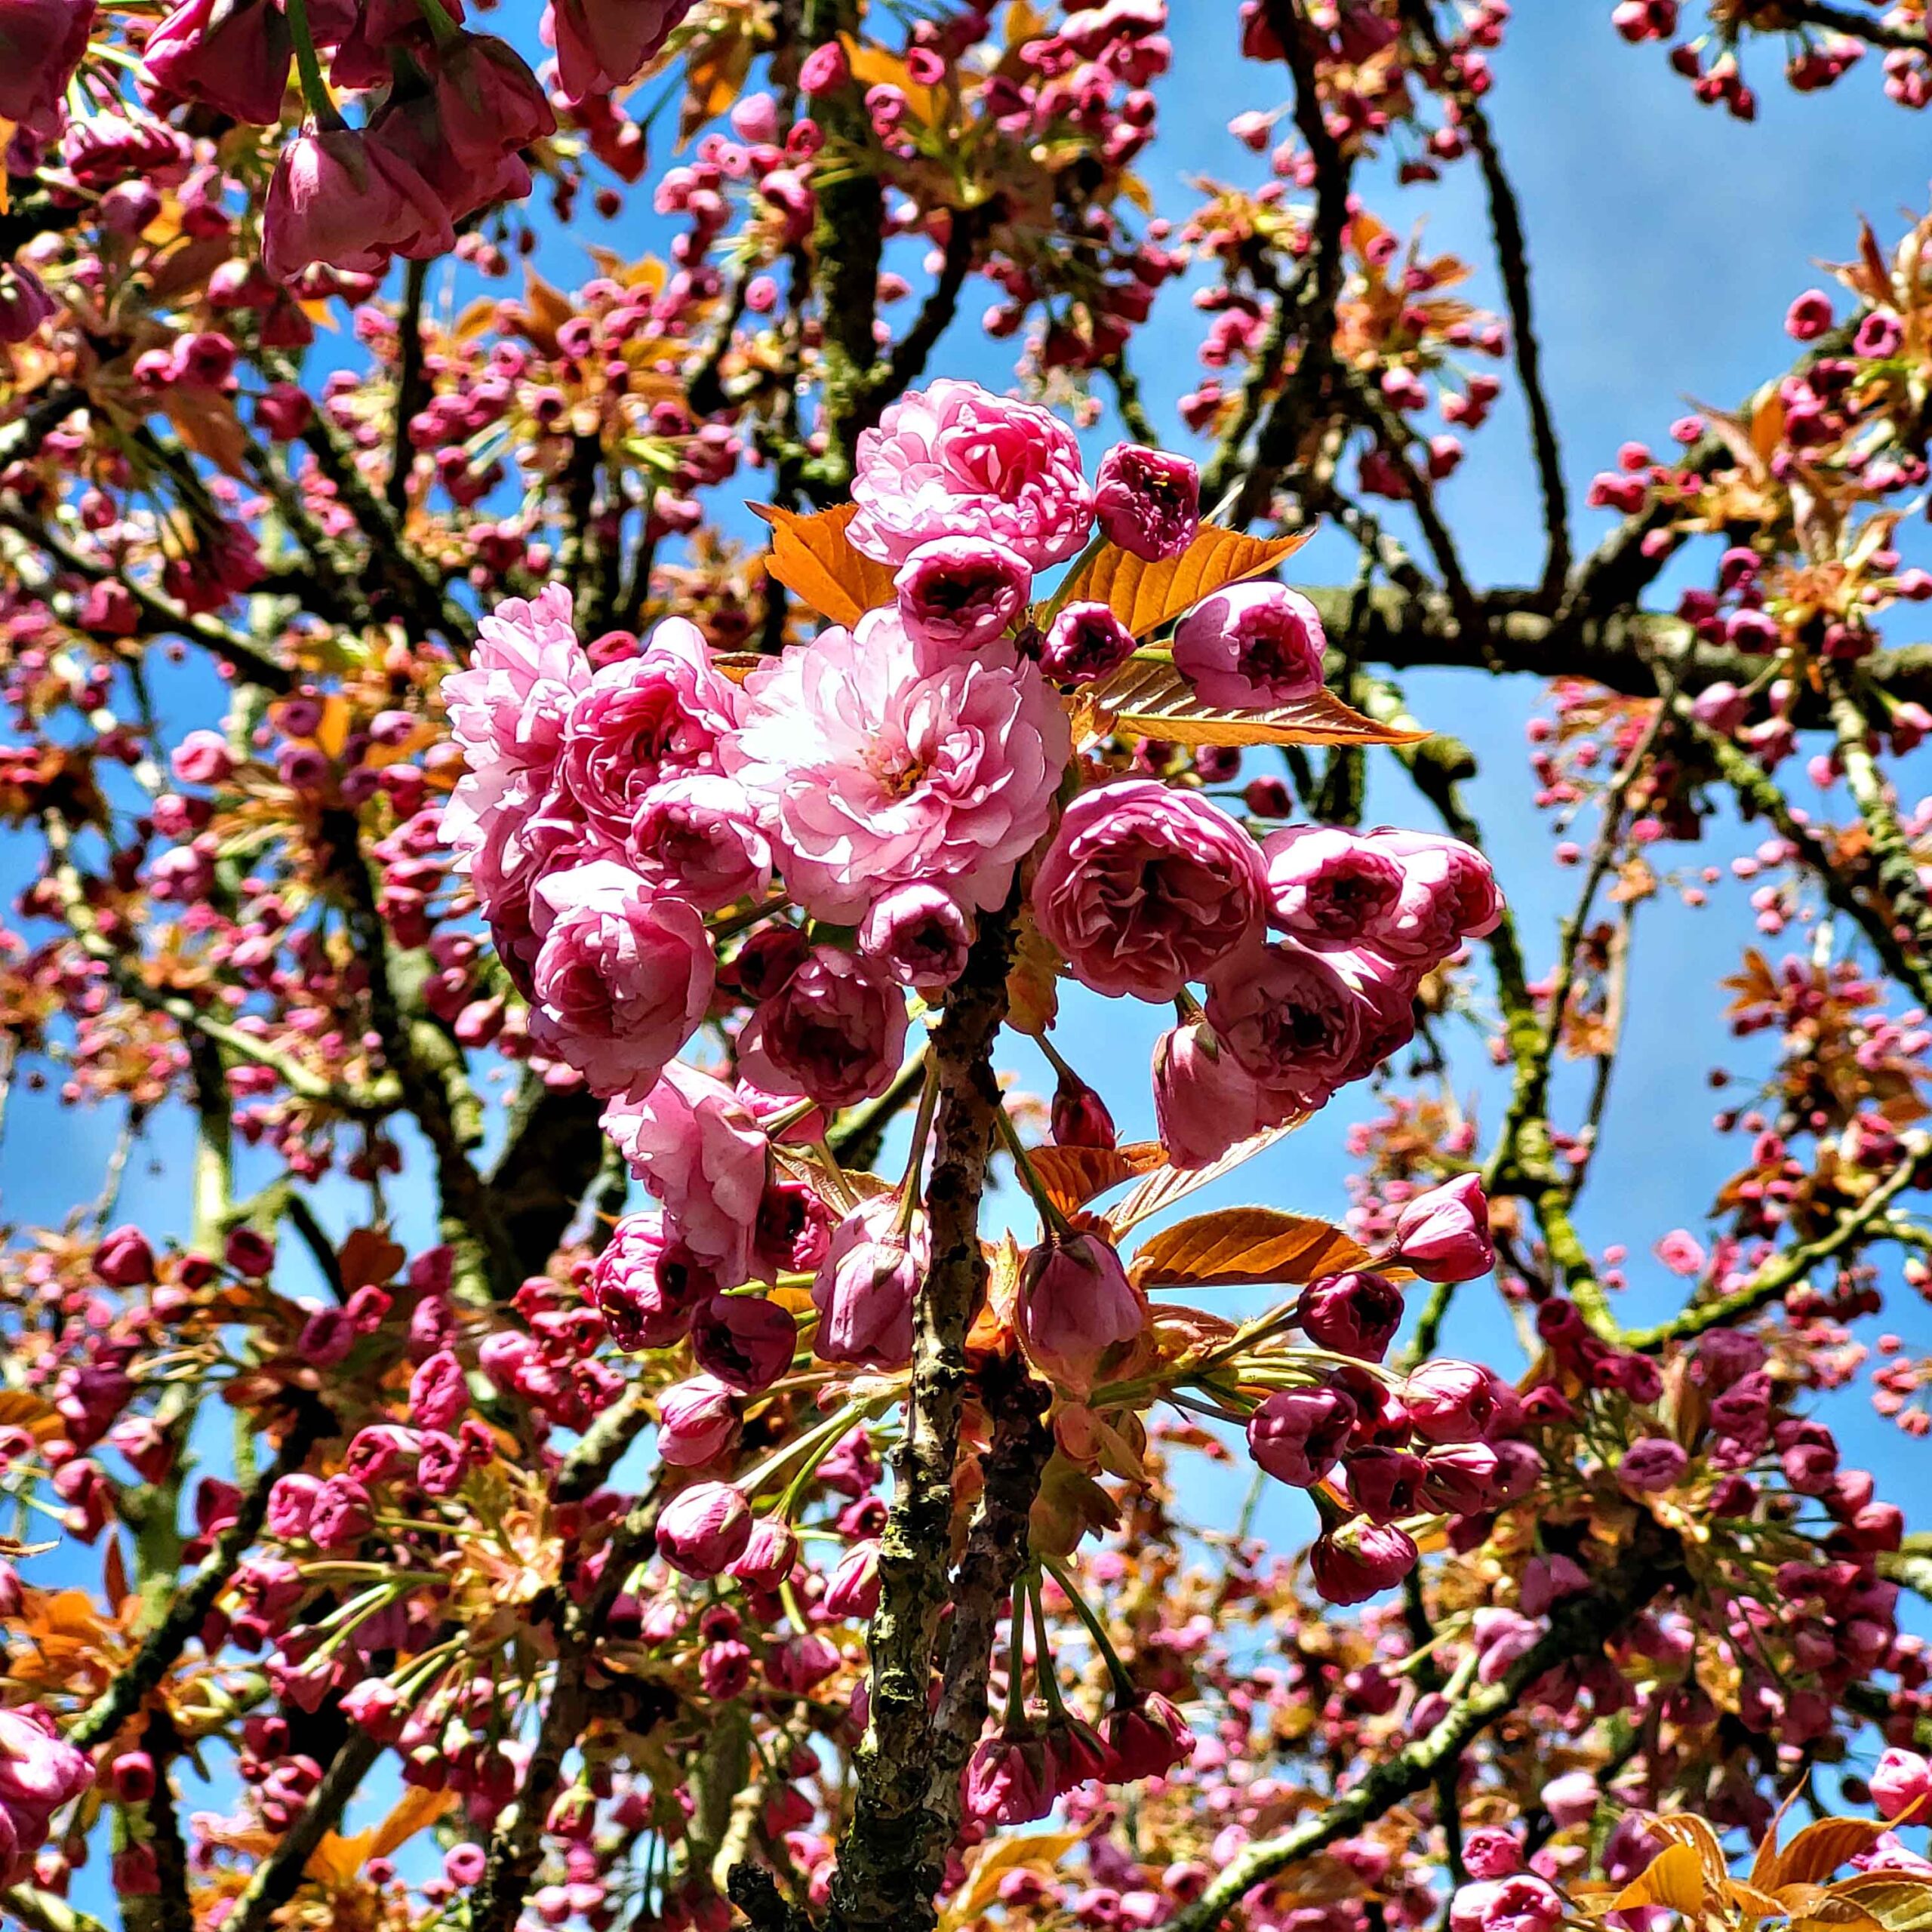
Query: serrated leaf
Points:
[1674, 1877]
[1244, 1244]
[1897, 1900]
[812, 557]
[1073, 1176]
[1144, 596]
[1818, 1850]
[1686, 1828]
[1166, 1186]
[1148, 698]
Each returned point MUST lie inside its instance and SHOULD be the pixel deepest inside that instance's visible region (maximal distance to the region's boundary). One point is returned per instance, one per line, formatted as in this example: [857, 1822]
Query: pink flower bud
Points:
[696, 1420]
[1358, 1560]
[747, 1342]
[703, 1529]
[956, 593]
[770, 1550]
[1148, 503]
[864, 1288]
[919, 936]
[1655, 1463]
[1085, 641]
[1901, 1783]
[1356, 1313]
[834, 1031]
[1075, 1303]
[1251, 647]
[124, 1260]
[1296, 1434]
[1457, 1402]
[1443, 1234]
[853, 1591]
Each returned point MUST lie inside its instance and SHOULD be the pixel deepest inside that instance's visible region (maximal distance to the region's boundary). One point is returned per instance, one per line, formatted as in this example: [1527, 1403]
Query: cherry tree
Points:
[620, 809]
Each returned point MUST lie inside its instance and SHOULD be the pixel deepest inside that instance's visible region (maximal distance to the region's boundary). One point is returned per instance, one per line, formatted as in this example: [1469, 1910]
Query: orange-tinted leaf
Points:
[337, 1861]
[369, 1258]
[1166, 1186]
[1764, 1864]
[1241, 1244]
[1818, 1850]
[207, 423]
[1144, 596]
[20, 1409]
[1148, 698]
[1686, 1828]
[1073, 1176]
[811, 557]
[544, 311]
[1041, 1850]
[874, 66]
[1898, 1901]
[1674, 1877]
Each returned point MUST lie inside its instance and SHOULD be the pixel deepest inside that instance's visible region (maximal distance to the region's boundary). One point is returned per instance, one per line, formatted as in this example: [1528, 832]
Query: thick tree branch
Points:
[892, 1857]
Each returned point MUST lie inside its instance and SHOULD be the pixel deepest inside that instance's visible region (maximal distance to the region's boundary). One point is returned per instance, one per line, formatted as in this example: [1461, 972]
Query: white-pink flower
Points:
[622, 979]
[509, 706]
[956, 460]
[874, 774]
[694, 1146]
[644, 718]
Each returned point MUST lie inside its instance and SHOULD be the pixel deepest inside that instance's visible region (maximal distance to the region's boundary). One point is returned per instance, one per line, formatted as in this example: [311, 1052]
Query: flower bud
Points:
[1296, 1434]
[1075, 1303]
[1443, 1234]
[1147, 502]
[1356, 1313]
[703, 1529]
[1358, 1560]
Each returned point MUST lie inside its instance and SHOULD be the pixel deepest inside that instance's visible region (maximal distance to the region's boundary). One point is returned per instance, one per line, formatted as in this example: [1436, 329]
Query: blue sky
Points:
[1666, 240]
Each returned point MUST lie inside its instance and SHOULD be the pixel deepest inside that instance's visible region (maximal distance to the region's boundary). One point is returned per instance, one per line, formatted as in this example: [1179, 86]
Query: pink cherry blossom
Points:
[1145, 887]
[703, 1157]
[956, 460]
[509, 706]
[1250, 647]
[622, 979]
[873, 773]
[644, 718]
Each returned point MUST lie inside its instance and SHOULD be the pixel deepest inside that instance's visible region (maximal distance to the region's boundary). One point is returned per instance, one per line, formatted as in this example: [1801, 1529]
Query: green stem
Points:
[309, 69]
[1123, 1683]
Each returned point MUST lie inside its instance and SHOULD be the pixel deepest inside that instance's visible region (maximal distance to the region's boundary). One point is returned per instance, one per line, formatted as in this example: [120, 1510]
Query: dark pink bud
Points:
[704, 1529]
[1443, 1234]
[124, 1260]
[1356, 1313]
[1358, 1560]
[1147, 502]
[1296, 1434]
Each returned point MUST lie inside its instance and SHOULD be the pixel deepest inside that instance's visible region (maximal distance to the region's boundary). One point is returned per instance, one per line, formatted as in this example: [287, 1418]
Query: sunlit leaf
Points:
[1040, 1850]
[1073, 1176]
[1686, 1828]
[1818, 1850]
[1144, 596]
[206, 421]
[1166, 1186]
[368, 1258]
[1241, 1244]
[1674, 1877]
[1898, 1901]
[1148, 698]
[811, 557]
